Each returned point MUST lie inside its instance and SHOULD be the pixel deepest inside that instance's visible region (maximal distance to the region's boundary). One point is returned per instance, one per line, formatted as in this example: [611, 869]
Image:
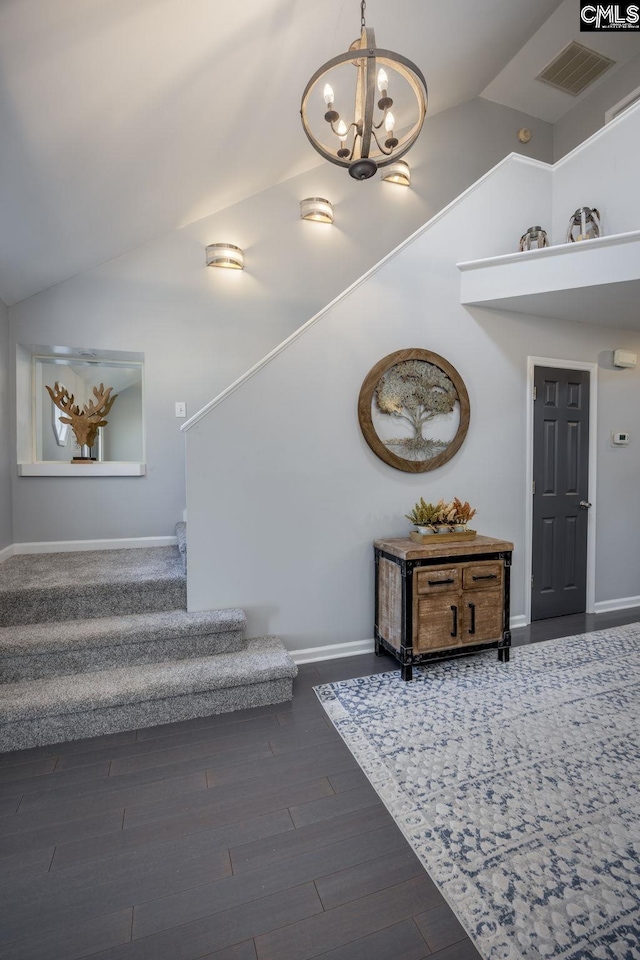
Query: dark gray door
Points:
[561, 487]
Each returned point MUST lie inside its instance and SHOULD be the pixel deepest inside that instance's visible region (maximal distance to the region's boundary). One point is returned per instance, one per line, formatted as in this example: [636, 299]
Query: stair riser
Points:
[40, 606]
[90, 723]
[47, 663]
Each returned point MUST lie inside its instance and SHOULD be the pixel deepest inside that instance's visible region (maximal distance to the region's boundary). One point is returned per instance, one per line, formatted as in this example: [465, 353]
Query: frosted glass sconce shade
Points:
[316, 208]
[225, 255]
[397, 172]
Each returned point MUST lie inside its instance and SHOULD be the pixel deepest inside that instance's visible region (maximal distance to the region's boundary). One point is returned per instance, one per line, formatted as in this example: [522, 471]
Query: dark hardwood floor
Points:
[247, 836]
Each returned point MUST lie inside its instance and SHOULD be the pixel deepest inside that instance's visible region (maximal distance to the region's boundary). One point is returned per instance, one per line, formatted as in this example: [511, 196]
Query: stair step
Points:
[37, 712]
[33, 651]
[36, 588]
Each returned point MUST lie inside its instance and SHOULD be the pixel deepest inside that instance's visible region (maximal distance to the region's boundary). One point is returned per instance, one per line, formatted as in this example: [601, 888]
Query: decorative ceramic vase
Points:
[587, 221]
[534, 238]
[424, 530]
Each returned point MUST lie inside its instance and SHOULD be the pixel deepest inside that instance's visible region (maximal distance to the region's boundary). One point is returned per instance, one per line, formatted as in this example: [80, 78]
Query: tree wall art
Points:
[413, 410]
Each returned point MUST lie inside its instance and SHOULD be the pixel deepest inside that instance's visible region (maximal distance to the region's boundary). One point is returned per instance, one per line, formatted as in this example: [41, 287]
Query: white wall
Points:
[280, 478]
[6, 534]
[200, 328]
[588, 116]
[604, 176]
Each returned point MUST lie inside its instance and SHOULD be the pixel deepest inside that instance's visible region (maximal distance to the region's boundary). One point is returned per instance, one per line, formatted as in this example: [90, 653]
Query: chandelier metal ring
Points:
[366, 152]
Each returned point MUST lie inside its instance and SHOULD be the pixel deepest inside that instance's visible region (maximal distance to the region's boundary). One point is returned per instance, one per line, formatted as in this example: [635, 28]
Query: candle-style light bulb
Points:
[341, 130]
[389, 122]
[383, 80]
[328, 93]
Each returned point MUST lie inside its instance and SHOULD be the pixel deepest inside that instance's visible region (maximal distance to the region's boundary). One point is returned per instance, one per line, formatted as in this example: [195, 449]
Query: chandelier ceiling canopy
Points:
[374, 101]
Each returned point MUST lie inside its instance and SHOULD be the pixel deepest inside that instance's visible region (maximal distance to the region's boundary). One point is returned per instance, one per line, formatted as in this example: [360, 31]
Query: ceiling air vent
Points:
[575, 68]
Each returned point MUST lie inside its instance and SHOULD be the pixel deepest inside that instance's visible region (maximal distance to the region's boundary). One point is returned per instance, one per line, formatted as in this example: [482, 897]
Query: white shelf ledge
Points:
[61, 468]
[593, 281]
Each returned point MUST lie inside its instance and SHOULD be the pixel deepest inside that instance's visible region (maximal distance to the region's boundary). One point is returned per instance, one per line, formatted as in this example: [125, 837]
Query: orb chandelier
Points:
[366, 138]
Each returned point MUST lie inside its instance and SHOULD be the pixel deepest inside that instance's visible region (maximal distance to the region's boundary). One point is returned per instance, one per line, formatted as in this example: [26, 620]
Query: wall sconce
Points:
[316, 208]
[397, 172]
[225, 255]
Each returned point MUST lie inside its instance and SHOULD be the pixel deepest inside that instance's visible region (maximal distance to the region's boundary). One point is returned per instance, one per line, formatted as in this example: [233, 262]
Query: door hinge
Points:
[533, 487]
[531, 579]
[535, 393]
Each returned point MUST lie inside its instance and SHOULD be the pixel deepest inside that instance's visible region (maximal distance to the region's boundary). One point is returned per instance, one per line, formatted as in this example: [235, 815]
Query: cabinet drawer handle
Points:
[472, 628]
[485, 576]
[436, 583]
[454, 610]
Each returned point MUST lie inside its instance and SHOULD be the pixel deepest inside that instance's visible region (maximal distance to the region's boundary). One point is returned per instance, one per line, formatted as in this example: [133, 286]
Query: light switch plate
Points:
[181, 409]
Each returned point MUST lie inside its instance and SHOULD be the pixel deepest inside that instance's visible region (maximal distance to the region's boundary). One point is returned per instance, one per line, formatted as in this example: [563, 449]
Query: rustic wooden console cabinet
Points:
[441, 599]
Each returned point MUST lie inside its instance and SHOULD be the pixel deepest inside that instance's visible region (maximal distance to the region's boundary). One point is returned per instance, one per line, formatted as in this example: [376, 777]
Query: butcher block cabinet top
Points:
[405, 549]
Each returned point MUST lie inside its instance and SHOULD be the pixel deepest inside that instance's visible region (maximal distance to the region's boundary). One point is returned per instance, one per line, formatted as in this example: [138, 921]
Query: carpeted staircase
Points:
[98, 642]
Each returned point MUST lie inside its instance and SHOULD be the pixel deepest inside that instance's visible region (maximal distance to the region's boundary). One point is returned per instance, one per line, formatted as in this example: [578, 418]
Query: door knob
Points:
[584, 504]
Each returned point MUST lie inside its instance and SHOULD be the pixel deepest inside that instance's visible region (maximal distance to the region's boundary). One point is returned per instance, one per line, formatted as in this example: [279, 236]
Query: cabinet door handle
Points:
[472, 628]
[436, 583]
[485, 576]
[454, 610]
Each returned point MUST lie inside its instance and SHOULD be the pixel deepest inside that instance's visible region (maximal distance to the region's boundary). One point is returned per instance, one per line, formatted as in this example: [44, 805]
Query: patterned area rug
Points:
[518, 787]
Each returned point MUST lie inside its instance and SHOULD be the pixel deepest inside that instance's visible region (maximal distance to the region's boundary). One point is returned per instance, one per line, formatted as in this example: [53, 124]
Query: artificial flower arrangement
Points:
[441, 517]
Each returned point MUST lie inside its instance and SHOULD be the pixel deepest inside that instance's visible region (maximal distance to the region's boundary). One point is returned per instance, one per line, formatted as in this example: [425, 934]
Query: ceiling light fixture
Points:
[317, 209]
[398, 172]
[365, 140]
[225, 255]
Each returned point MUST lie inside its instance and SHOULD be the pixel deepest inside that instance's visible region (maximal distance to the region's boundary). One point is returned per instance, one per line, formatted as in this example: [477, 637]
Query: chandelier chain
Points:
[363, 5]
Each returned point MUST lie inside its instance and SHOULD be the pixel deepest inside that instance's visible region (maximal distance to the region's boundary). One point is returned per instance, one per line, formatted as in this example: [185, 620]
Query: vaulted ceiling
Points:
[121, 120]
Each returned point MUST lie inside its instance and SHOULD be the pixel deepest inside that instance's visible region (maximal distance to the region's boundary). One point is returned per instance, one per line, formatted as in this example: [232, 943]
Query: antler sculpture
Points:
[85, 422]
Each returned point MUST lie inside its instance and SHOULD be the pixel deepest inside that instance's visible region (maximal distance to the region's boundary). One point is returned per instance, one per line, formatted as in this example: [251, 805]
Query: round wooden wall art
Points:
[406, 395]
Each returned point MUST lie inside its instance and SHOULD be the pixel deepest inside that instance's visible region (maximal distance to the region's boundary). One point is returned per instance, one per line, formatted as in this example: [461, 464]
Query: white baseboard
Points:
[332, 651]
[622, 603]
[70, 546]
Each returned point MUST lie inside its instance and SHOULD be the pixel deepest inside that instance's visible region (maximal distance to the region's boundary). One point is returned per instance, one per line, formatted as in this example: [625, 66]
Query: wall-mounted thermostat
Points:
[620, 439]
[624, 358]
